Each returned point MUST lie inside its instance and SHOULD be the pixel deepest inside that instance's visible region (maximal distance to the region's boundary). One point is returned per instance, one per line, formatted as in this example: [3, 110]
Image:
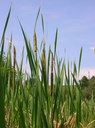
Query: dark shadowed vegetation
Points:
[88, 87]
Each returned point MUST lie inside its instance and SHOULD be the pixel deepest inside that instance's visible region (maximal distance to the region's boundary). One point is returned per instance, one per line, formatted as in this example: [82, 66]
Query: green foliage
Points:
[26, 101]
[88, 87]
[3, 76]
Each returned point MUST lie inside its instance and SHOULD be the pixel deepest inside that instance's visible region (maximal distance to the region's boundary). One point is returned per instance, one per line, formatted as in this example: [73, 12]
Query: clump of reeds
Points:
[36, 104]
[70, 122]
[89, 125]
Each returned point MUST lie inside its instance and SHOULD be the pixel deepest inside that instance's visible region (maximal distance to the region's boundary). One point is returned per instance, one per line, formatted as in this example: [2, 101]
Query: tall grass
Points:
[3, 76]
[28, 101]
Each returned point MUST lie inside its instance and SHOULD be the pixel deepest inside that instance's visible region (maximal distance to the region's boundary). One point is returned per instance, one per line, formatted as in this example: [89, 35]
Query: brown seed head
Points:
[14, 57]
[35, 42]
[43, 59]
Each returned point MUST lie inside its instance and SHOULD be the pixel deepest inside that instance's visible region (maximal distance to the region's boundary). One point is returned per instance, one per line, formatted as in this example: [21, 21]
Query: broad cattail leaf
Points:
[55, 43]
[21, 64]
[36, 19]
[45, 123]
[48, 64]
[29, 53]
[14, 57]
[3, 35]
[80, 58]
[75, 69]
[51, 73]
[42, 23]
[21, 116]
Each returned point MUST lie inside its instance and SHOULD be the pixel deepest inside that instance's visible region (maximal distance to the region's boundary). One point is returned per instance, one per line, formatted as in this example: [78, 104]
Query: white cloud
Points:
[89, 72]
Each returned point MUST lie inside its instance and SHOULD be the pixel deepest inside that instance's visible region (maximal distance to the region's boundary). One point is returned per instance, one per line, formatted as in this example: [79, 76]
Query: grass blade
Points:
[3, 35]
[29, 52]
[42, 23]
[80, 58]
[55, 43]
[36, 19]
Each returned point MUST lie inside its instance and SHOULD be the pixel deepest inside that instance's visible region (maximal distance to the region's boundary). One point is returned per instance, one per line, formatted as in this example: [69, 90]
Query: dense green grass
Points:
[27, 101]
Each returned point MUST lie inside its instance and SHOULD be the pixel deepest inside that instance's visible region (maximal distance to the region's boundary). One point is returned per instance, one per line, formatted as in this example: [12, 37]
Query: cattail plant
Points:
[35, 42]
[35, 45]
[35, 104]
[35, 37]
[51, 74]
[43, 74]
[9, 64]
[43, 59]
[14, 57]
[14, 64]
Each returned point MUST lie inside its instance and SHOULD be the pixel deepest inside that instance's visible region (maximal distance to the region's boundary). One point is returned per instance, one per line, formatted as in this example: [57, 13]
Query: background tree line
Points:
[88, 87]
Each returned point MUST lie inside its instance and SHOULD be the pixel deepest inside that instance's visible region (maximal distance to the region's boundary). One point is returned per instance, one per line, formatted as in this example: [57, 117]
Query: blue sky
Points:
[75, 20]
